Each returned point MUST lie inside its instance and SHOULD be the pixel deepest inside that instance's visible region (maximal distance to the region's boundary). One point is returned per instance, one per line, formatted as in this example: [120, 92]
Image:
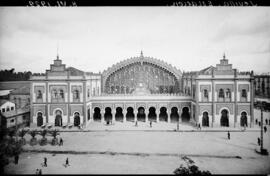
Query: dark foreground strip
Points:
[124, 153]
[86, 131]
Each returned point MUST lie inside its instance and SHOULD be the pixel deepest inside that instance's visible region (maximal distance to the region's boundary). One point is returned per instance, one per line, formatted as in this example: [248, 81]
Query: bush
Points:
[190, 169]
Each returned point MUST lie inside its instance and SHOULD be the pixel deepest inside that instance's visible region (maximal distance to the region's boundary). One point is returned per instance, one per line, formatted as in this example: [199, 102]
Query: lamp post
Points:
[262, 150]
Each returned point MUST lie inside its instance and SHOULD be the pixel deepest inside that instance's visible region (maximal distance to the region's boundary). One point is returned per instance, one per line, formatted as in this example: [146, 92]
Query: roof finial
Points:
[141, 54]
[224, 56]
[57, 56]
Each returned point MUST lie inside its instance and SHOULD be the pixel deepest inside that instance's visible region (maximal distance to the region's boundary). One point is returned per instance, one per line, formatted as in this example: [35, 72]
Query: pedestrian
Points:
[61, 142]
[229, 135]
[259, 141]
[151, 123]
[16, 159]
[265, 129]
[45, 162]
[37, 171]
[256, 121]
[266, 121]
[67, 162]
[136, 123]
[199, 126]
[40, 172]
[259, 123]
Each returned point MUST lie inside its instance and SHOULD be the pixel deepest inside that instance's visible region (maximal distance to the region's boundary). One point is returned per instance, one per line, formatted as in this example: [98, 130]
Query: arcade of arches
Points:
[141, 114]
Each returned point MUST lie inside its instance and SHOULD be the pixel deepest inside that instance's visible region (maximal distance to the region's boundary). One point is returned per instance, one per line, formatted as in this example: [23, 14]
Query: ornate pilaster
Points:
[146, 115]
[124, 115]
[135, 114]
[102, 112]
[113, 115]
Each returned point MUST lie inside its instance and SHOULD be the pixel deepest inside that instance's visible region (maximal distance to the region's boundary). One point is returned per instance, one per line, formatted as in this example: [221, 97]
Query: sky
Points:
[94, 38]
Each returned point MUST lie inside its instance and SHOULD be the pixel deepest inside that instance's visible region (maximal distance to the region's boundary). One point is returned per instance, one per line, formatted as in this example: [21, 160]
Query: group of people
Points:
[44, 164]
[259, 123]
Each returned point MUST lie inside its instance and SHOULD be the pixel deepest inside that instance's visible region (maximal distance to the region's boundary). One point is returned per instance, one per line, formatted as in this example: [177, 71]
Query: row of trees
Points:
[10, 145]
[10, 75]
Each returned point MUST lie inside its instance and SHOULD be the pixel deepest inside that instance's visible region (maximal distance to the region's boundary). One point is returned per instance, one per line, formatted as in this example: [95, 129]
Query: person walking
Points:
[266, 121]
[136, 123]
[67, 162]
[199, 126]
[259, 141]
[256, 121]
[151, 123]
[16, 159]
[45, 162]
[37, 171]
[259, 123]
[265, 129]
[61, 141]
[40, 172]
[229, 135]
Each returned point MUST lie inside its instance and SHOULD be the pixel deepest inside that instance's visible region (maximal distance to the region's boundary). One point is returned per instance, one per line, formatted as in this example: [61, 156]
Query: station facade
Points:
[143, 89]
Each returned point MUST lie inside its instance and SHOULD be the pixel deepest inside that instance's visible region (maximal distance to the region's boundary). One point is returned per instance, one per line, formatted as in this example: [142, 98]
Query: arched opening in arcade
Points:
[58, 118]
[224, 120]
[152, 116]
[130, 114]
[174, 114]
[205, 119]
[108, 114]
[119, 114]
[185, 116]
[39, 119]
[163, 116]
[243, 120]
[76, 119]
[97, 115]
[141, 114]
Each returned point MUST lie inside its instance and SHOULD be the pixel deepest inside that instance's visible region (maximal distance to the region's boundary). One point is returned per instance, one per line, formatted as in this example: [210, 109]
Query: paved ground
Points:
[149, 152]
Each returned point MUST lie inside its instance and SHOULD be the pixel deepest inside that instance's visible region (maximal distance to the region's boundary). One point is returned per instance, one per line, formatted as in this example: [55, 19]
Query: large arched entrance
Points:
[185, 116]
[152, 116]
[97, 115]
[243, 120]
[58, 118]
[174, 114]
[39, 119]
[163, 116]
[108, 114]
[205, 119]
[130, 115]
[119, 114]
[224, 120]
[141, 114]
[76, 119]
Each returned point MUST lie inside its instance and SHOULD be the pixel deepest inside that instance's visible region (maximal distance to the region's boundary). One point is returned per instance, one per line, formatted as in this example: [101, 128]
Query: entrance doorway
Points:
[76, 119]
[39, 119]
[224, 120]
[205, 119]
[58, 118]
[243, 120]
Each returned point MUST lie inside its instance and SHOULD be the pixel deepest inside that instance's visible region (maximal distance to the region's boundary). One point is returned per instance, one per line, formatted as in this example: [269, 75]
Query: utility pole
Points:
[262, 150]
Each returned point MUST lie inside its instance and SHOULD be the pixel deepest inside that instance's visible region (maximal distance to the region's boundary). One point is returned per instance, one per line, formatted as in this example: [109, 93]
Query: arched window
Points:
[39, 94]
[205, 93]
[244, 93]
[228, 93]
[61, 93]
[54, 92]
[76, 94]
[221, 93]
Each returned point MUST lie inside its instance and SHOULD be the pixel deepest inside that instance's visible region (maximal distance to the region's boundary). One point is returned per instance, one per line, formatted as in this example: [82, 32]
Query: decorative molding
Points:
[219, 106]
[243, 86]
[60, 106]
[241, 108]
[207, 87]
[207, 108]
[224, 87]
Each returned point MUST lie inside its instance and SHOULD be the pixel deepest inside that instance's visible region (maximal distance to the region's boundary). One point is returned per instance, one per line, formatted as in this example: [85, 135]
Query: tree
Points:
[33, 140]
[22, 133]
[43, 141]
[54, 133]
